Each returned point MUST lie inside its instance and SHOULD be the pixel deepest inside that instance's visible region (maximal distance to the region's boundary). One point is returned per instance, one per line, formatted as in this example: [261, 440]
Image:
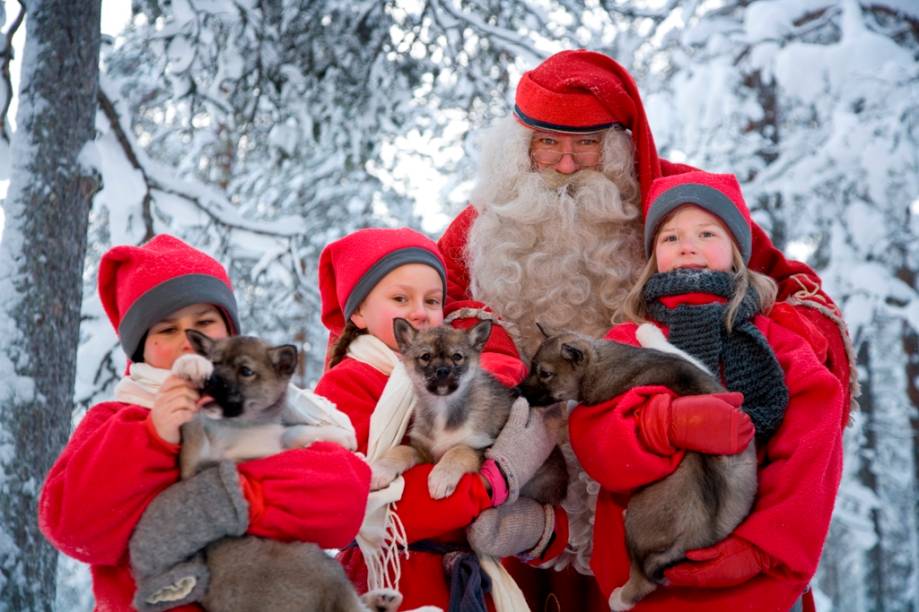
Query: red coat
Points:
[814, 316]
[355, 387]
[115, 464]
[799, 471]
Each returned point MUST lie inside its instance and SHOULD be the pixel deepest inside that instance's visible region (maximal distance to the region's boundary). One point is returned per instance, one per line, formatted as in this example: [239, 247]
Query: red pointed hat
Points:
[141, 285]
[350, 267]
[584, 91]
[719, 194]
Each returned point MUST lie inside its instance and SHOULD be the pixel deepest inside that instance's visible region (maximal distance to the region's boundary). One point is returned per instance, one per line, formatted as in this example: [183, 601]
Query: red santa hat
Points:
[719, 194]
[350, 267]
[141, 285]
[584, 91]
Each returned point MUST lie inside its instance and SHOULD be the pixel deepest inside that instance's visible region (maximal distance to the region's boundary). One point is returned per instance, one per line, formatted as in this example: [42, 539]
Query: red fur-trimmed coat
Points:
[799, 471]
[803, 307]
[355, 387]
[115, 464]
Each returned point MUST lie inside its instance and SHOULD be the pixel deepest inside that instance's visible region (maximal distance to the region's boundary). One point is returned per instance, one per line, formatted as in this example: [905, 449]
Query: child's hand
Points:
[174, 405]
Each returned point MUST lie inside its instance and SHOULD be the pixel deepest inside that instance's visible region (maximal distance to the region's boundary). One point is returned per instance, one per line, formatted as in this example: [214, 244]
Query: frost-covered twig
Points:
[218, 208]
[6, 56]
[512, 39]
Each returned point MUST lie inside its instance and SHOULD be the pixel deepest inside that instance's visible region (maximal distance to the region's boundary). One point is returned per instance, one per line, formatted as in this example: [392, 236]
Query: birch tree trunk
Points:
[41, 264]
[893, 468]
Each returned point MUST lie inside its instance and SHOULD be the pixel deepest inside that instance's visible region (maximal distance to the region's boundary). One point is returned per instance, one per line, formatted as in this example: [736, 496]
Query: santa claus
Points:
[553, 235]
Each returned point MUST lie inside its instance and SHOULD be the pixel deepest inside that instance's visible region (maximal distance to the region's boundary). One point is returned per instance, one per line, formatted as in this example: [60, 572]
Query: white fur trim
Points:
[650, 336]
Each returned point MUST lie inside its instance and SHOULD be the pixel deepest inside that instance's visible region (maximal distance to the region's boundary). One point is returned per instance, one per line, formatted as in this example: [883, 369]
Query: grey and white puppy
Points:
[248, 418]
[460, 411]
[697, 505]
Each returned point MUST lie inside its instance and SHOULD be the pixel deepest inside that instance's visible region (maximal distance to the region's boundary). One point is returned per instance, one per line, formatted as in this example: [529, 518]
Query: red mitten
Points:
[711, 423]
[315, 494]
[728, 563]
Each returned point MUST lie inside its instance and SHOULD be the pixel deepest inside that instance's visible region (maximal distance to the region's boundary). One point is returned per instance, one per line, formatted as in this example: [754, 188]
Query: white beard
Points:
[560, 250]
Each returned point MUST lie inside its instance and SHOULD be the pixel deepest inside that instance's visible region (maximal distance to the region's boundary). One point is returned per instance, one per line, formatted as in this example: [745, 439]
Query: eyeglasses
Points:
[549, 149]
[550, 157]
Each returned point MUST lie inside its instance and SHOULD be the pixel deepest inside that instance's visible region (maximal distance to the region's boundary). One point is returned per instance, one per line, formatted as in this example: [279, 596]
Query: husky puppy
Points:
[697, 505]
[248, 417]
[460, 411]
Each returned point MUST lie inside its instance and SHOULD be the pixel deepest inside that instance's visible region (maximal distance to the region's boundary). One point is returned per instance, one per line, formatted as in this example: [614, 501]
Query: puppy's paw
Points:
[617, 601]
[381, 474]
[194, 367]
[382, 600]
[442, 481]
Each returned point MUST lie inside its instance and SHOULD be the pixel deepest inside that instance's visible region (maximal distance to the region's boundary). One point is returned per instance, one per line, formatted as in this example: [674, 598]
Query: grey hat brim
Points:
[707, 198]
[170, 296]
[386, 265]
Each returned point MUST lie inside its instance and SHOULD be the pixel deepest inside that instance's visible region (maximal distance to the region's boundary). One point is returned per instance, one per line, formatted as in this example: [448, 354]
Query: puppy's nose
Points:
[442, 372]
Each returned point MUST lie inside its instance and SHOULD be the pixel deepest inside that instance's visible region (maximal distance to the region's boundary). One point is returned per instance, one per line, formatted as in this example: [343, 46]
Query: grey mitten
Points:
[183, 583]
[523, 527]
[178, 523]
[522, 446]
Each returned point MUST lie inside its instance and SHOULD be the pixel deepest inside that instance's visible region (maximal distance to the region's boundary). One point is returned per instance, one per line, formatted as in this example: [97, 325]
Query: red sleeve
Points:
[605, 437]
[801, 465]
[500, 356]
[315, 494]
[452, 246]
[100, 485]
[425, 518]
[354, 387]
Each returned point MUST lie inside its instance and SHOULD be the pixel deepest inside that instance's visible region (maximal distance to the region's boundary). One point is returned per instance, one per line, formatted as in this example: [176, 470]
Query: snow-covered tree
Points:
[261, 131]
[41, 261]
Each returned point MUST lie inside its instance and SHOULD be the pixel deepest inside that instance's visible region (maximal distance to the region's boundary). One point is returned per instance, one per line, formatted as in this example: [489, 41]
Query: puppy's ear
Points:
[284, 359]
[572, 353]
[542, 330]
[403, 332]
[479, 333]
[200, 342]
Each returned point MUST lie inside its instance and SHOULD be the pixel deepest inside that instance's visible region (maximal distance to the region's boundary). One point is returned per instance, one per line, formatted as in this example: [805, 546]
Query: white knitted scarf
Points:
[382, 536]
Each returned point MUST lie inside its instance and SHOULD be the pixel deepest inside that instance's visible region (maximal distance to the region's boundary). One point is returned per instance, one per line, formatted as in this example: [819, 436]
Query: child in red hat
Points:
[367, 279]
[124, 453]
[697, 288]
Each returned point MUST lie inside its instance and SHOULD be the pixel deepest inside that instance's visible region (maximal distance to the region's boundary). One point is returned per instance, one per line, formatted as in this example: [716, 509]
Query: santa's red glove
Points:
[728, 563]
[711, 423]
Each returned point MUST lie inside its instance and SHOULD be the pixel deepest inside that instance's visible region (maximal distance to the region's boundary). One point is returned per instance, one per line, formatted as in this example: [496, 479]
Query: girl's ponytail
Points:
[348, 334]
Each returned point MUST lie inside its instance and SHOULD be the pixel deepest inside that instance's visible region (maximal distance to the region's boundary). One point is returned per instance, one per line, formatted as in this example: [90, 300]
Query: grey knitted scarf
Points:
[743, 357]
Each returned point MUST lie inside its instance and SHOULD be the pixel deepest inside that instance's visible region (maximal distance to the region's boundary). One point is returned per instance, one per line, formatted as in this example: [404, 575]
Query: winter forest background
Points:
[259, 131]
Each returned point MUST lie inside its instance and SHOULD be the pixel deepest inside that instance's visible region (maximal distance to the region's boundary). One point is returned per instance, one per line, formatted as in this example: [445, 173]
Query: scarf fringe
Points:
[384, 566]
